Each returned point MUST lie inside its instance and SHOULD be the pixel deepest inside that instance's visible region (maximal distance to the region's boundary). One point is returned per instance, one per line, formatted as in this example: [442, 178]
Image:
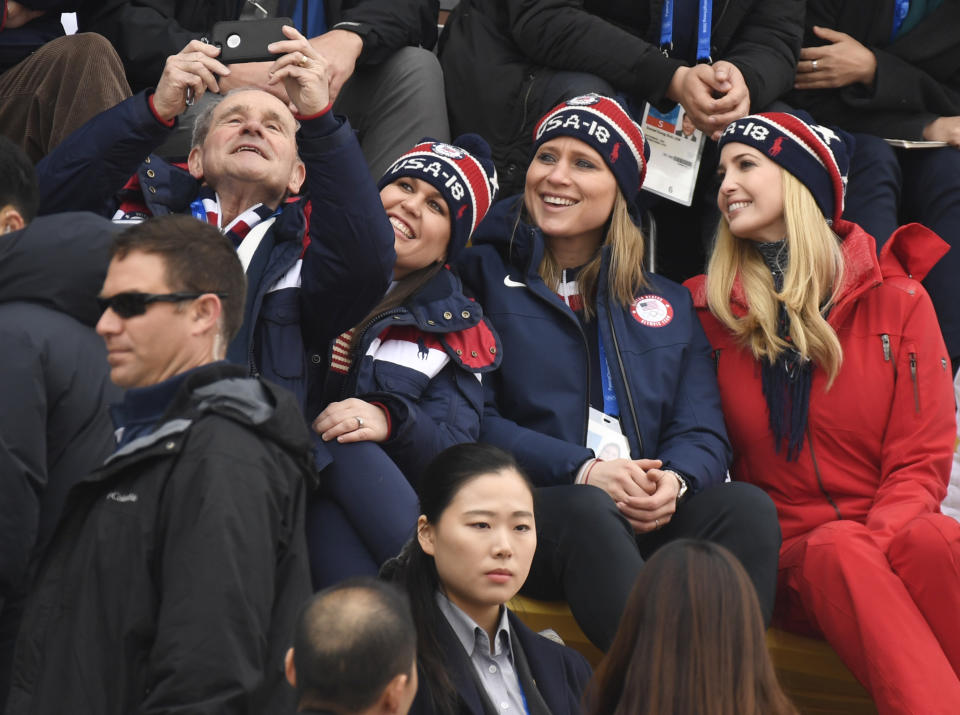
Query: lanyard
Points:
[610, 406]
[900, 10]
[704, 26]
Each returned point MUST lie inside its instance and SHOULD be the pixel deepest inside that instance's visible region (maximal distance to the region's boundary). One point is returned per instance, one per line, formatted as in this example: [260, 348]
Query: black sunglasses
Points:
[129, 305]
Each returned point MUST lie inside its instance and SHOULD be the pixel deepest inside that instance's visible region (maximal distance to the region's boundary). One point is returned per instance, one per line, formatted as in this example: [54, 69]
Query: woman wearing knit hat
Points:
[836, 393]
[594, 345]
[405, 383]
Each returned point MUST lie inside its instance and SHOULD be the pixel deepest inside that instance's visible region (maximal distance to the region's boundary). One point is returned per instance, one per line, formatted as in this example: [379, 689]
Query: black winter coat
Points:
[174, 580]
[55, 386]
[146, 32]
[918, 74]
[493, 50]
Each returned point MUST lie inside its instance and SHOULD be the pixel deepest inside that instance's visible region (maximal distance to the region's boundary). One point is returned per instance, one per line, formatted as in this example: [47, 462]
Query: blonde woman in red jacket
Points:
[836, 392]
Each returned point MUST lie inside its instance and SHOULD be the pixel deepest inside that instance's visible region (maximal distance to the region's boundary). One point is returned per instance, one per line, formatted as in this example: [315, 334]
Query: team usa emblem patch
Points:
[451, 152]
[584, 100]
[652, 311]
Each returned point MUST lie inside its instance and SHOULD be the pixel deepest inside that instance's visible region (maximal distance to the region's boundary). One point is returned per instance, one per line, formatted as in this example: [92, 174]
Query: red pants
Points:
[893, 618]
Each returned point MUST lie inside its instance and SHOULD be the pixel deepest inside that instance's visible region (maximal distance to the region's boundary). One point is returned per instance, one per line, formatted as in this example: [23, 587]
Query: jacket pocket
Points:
[279, 340]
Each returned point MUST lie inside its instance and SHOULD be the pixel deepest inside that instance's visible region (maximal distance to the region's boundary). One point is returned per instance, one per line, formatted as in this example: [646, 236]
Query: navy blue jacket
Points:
[537, 403]
[560, 673]
[346, 266]
[427, 415]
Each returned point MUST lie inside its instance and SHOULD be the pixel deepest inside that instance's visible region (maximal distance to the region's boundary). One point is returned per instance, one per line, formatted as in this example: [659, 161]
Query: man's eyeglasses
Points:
[130, 305]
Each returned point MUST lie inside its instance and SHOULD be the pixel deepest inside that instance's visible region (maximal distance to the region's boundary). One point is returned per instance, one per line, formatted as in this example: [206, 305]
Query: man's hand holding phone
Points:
[303, 72]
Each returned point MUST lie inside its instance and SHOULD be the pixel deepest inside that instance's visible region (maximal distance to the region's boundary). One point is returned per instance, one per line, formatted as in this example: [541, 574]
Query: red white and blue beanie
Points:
[608, 128]
[462, 172]
[818, 156]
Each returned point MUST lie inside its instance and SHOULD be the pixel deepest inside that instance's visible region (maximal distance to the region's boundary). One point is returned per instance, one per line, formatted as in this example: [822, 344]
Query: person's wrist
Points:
[682, 487]
[675, 88]
[583, 474]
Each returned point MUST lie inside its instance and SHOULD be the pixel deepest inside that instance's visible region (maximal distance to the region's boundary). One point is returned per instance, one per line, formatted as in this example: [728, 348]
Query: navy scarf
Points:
[786, 380]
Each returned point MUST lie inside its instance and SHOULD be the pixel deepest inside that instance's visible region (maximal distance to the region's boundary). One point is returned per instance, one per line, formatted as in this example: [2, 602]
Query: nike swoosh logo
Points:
[509, 283]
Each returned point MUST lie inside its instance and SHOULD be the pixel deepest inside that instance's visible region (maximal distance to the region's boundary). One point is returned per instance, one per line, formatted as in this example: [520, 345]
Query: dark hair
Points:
[406, 287]
[351, 640]
[442, 479]
[691, 640]
[198, 258]
[18, 180]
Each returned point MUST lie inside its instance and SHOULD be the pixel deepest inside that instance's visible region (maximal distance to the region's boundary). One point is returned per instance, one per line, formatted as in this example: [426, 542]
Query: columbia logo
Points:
[122, 498]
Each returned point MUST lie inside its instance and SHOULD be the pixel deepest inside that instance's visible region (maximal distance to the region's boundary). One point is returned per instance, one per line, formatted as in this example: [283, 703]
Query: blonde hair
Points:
[626, 262]
[811, 279]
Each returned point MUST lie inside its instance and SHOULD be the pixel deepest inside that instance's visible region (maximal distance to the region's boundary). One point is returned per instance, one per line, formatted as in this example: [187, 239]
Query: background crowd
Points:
[375, 318]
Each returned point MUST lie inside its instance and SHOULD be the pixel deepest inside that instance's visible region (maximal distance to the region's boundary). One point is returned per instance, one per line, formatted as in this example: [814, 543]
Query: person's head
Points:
[435, 196]
[687, 126]
[691, 640]
[475, 542]
[19, 195]
[783, 179]
[173, 299]
[246, 143]
[477, 526]
[354, 650]
[583, 185]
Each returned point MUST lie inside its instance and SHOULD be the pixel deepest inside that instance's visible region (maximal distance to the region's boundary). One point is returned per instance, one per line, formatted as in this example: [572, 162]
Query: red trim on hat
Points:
[799, 128]
[614, 114]
[470, 170]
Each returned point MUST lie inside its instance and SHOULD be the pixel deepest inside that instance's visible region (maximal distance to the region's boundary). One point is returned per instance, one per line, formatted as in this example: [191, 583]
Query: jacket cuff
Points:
[319, 125]
[153, 111]
[386, 411]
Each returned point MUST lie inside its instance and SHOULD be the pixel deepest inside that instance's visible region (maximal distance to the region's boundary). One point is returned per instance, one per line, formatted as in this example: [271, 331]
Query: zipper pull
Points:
[887, 355]
[913, 378]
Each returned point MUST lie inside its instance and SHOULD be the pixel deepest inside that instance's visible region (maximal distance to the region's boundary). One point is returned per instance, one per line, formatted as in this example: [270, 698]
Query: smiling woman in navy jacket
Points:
[405, 383]
[590, 338]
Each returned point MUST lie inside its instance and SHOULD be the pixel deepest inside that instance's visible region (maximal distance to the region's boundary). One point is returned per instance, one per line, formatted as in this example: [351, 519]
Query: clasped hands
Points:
[711, 95]
[645, 494]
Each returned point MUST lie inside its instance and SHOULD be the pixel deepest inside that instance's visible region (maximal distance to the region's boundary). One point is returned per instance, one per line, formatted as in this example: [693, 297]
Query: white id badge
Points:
[605, 437]
[676, 147]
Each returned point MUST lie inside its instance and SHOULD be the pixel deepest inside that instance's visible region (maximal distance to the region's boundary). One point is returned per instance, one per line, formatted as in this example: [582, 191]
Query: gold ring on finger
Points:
[304, 61]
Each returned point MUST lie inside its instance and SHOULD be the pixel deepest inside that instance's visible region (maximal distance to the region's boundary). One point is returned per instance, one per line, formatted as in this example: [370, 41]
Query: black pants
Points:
[588, 555]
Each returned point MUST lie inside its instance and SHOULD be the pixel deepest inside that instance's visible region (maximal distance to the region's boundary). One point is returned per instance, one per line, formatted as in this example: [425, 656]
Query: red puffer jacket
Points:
[879, 442]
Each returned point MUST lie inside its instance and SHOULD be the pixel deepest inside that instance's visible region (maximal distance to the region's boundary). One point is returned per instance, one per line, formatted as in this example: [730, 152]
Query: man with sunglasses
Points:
[173, 580]
[250, 156]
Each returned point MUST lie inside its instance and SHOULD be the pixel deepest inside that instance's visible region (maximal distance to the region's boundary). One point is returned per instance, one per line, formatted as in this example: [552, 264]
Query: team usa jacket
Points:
[424, 361]
[298, 298]
[537, 403]
[880, 441]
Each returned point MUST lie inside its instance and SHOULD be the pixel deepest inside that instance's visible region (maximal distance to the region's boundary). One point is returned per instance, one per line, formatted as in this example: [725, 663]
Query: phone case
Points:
[247, 40]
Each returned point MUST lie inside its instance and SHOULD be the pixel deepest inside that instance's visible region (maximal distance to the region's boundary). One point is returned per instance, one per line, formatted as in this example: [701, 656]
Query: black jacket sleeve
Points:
[917, 77]
[23, 451]
[761, 37]
[146, 32]
[388, 25]
[563, 35]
